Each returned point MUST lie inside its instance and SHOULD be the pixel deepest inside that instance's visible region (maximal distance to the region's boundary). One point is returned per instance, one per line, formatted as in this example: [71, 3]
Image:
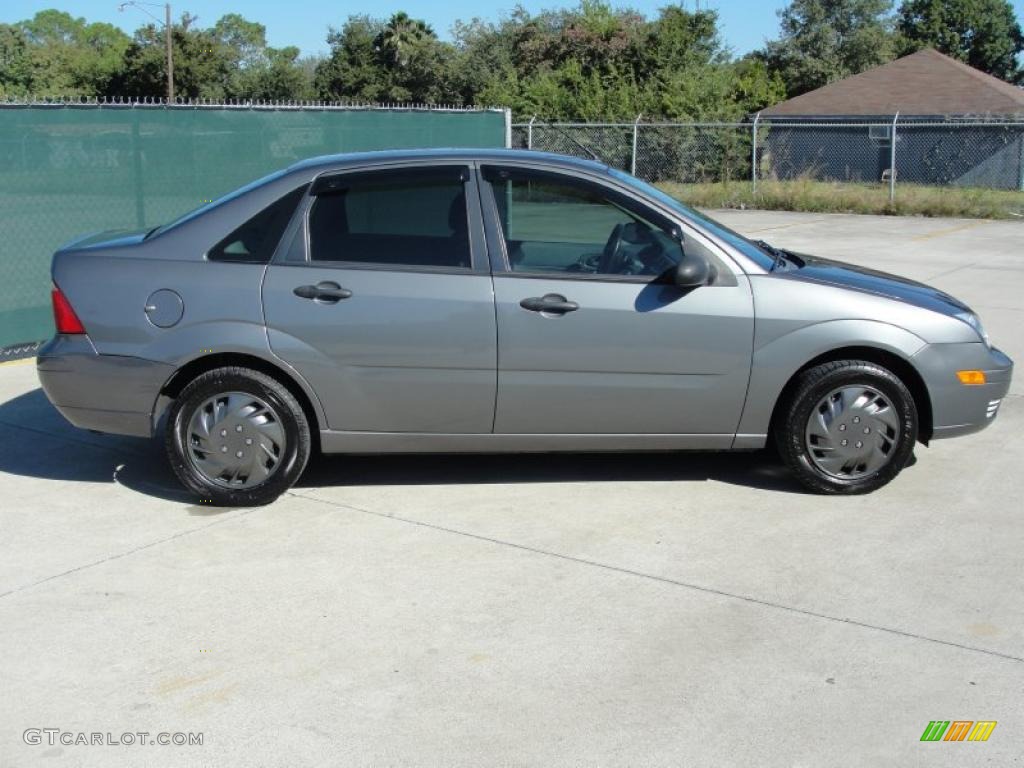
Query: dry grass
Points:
[835, 197]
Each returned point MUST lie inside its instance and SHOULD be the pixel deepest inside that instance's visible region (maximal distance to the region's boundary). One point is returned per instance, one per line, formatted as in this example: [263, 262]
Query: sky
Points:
[746, 24]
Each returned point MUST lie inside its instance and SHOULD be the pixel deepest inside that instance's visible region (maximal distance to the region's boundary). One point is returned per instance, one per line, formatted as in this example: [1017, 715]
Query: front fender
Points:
[774, 363]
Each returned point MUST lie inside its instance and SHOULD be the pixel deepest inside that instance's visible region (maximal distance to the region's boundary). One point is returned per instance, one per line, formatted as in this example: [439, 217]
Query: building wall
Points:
[976, 155]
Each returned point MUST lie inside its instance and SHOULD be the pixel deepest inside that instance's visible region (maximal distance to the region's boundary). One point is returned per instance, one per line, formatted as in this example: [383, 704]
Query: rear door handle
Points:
[325, 292]
[554, 303]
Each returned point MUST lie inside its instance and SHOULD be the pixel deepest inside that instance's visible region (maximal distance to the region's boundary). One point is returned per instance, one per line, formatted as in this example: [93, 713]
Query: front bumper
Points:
[958, 409]
[105, 393]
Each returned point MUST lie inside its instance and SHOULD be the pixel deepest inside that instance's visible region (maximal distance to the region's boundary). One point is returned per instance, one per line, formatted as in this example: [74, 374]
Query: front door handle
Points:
[554, 303]
[325, 292]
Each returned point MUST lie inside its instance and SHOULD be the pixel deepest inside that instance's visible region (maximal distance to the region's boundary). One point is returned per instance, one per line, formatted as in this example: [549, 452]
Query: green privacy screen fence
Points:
[68, 170]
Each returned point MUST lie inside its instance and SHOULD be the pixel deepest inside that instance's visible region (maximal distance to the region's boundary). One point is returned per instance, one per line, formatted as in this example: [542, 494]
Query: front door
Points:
[384, 303]
[591, 341]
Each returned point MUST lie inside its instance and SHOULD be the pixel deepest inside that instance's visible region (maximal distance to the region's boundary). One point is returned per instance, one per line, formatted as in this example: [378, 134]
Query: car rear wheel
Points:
[849, 427]
[237, 437]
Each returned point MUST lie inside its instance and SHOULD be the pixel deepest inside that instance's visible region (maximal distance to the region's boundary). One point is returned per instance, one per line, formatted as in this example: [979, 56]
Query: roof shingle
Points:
[923, 83]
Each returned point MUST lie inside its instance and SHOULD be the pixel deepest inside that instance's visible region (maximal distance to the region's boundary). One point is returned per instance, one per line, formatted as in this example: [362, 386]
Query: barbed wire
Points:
[200, 103]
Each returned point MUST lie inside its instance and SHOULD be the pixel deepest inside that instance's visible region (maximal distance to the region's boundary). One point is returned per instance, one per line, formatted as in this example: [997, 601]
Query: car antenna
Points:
[591, 153]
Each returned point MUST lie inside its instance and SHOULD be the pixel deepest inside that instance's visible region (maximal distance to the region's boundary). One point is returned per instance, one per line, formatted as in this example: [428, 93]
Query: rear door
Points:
[592, 338]
[383, 301]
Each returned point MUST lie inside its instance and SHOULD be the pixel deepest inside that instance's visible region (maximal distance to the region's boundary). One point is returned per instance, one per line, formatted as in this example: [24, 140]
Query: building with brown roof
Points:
[933, 95]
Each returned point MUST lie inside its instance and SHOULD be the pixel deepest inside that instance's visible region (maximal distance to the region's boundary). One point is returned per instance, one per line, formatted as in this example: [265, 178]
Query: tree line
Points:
[590, 62]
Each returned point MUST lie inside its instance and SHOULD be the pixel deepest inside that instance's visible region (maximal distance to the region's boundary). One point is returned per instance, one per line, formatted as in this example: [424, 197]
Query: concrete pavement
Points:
[686, 609]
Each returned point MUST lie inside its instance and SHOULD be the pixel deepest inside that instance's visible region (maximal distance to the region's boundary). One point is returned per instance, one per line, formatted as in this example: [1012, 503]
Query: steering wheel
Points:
[610, 254]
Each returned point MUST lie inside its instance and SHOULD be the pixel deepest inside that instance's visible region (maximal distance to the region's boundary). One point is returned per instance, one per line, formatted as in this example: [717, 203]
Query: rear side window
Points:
[255, 241]
[413, 218]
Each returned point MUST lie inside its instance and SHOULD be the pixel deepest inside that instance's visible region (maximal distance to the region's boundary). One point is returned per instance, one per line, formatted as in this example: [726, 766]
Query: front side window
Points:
[749, 249]
[555, 223]
[415, 218]
[255, 241]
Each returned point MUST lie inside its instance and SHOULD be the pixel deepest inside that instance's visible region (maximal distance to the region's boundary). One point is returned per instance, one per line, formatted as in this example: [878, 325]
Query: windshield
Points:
[735, 239]
[218, 202]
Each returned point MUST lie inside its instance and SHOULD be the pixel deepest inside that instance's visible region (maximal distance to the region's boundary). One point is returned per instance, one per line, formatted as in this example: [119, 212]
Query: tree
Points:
[594, 62]
[351, 71]
[15, 67]
[200, 68]
[679, 39]
[590, 62]
[416, 64]
[982, 33]
[230, 60]
[283, 77]
[398, 42]
[400, 60]
[255, 69]
[827, 40]
[56, 54]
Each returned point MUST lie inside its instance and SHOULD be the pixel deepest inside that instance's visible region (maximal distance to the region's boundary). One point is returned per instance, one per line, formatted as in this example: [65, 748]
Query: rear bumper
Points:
[958, 409]
[106, 393]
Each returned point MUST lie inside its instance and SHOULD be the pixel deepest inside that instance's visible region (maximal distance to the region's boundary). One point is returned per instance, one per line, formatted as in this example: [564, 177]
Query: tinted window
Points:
[736, 240]
[416, 219]
[556, 223]
[256, 240]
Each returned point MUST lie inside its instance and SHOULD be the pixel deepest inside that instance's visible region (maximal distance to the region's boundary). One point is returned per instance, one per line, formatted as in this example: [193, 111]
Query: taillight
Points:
[63, 315]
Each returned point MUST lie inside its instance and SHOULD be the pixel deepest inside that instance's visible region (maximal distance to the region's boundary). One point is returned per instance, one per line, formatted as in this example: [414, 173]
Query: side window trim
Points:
[295, 248]
[497, 251]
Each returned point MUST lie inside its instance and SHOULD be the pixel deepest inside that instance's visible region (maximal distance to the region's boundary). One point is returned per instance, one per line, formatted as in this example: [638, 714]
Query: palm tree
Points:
[400, 36]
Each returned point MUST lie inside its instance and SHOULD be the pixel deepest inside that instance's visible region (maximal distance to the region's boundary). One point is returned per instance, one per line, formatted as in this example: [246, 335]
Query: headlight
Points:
[972, 320]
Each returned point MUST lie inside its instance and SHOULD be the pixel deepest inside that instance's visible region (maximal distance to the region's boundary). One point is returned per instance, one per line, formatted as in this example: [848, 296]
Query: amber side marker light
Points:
[971, 378]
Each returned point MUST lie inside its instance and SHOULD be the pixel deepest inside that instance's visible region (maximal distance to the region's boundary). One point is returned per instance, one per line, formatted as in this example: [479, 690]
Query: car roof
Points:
[454, 153]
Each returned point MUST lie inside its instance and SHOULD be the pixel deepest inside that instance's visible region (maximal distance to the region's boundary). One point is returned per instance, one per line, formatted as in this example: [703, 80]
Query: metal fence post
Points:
[632, 159]
[529, 133]
[892, 158]
[753, 155]
[508, 128]
[138, 184]
[1020, 162]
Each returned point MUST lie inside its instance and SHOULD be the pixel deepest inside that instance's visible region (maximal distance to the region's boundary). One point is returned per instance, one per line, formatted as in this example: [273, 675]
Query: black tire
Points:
[812, 388]
[291, 462]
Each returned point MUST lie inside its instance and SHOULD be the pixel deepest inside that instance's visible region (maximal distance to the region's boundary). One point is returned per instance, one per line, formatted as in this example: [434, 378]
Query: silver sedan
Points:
[492, 301]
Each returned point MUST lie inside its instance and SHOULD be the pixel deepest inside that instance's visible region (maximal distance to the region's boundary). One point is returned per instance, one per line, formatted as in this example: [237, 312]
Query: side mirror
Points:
[692, 271]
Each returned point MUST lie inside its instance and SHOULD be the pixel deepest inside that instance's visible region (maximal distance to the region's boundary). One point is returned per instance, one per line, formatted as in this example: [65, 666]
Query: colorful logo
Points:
[958, 730]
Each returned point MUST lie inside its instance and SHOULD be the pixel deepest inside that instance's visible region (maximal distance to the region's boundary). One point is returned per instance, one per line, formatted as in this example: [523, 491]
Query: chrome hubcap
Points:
[852, 432]
[235, 440]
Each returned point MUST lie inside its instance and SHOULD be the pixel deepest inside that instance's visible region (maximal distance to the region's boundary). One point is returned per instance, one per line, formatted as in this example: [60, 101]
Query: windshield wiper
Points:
[778, 255]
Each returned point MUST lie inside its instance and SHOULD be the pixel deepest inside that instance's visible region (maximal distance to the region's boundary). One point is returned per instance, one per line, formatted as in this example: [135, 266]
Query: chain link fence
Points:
[963, 153]
[72, 168]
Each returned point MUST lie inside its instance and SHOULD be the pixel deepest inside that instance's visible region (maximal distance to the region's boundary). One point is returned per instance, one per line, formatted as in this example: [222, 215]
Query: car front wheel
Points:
[237, 437]
[848, 427]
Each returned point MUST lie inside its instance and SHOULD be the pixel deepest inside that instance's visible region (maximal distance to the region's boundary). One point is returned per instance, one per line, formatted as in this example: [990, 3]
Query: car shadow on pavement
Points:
[36, 441]
[752, 470]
